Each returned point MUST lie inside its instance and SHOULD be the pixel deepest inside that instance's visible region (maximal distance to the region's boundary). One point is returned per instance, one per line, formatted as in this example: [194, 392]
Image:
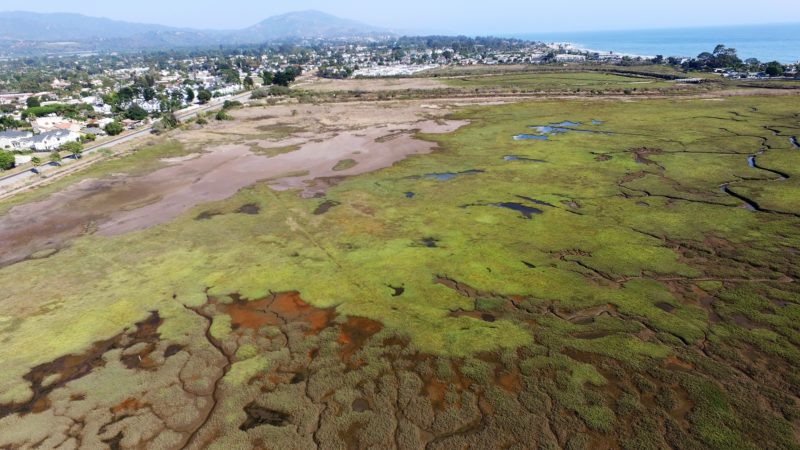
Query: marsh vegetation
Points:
[461, 288]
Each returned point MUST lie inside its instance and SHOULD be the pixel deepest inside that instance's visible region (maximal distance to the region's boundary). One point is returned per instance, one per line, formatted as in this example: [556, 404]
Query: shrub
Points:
[114, 128]
[279, 91]
[74, 148]
[203, 96]
[231, 104]
[259, 93]
[6, 160]
[136, 112]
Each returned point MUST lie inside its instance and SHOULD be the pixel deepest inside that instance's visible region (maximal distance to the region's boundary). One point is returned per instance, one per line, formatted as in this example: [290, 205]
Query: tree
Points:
[136, 112]
[189, 95]
[267, 78]
[774, 69]
[248, 82]
[723, 57]
[283, 78]
[659, 59]
[7, 160]
[752, 63]
[74, 148]
[36, 162]
[204, 96]
[149, 93]
[110, 98]
[125, 94]
[55, 156]
[705, 56]
[33, 102]
[168, 121]
[231, 76]
[114, 128]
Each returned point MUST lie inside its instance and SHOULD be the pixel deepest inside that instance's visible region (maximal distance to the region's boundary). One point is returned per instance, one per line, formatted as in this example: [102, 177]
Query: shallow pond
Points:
[326, 206]
[545, 131]
[522, 158]
[550, 129]
[530, 137]
[526, 211]
[445, 176]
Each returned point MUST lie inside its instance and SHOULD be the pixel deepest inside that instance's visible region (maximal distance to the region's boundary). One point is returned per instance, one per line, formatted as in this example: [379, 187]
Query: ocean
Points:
[777, 42]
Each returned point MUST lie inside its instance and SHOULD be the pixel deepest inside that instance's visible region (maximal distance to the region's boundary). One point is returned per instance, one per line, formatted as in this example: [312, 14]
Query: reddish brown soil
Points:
[275, 310]
[250, 314]
[72, 367]
[355, 333]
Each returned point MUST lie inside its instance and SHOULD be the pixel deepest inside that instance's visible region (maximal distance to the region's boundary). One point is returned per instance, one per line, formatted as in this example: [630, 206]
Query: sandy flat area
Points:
[370, 84]
[317, 137]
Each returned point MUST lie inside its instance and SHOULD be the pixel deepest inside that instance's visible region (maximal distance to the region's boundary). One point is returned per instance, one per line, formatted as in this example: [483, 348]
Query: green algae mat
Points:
[558, 274]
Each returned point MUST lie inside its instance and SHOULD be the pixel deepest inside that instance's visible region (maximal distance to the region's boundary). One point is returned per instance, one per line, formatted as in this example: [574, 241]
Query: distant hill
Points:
[20, 25]
[307, 24]
[31, 33]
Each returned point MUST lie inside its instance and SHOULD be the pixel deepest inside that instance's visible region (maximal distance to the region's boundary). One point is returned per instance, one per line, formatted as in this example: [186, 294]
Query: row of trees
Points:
[340, 72]
[283, 77]
[723, 57]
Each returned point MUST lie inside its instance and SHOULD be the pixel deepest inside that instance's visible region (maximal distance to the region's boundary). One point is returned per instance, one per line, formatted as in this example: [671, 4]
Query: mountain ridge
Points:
[28, 32]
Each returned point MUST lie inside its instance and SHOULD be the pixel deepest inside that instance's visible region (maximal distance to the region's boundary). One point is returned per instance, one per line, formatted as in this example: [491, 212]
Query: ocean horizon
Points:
[775, 42]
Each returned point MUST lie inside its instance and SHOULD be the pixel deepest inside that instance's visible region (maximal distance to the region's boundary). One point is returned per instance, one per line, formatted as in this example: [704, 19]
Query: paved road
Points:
[182, 115]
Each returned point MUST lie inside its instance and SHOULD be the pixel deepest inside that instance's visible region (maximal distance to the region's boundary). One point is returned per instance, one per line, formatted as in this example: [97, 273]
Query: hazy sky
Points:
[450, 16]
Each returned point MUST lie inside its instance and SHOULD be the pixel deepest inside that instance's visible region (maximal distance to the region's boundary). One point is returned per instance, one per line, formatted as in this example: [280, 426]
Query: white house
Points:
[151, 106]
[22, 159]
[101, 123]
[53, 122]
[102, 109]
[52, 140]
[570, 58]
[15, 139]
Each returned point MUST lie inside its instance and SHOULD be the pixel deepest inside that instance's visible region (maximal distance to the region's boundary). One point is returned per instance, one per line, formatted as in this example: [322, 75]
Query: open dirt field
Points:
[370, 84]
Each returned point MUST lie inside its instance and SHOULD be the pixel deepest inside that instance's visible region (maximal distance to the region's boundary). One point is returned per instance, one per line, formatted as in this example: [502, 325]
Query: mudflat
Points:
[407, 274]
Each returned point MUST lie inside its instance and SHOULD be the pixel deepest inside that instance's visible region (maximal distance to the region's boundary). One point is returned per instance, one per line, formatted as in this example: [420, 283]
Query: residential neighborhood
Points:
[48, 102]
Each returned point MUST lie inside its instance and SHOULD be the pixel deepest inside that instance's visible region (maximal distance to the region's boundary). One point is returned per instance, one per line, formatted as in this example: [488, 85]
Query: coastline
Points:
[769, 42]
